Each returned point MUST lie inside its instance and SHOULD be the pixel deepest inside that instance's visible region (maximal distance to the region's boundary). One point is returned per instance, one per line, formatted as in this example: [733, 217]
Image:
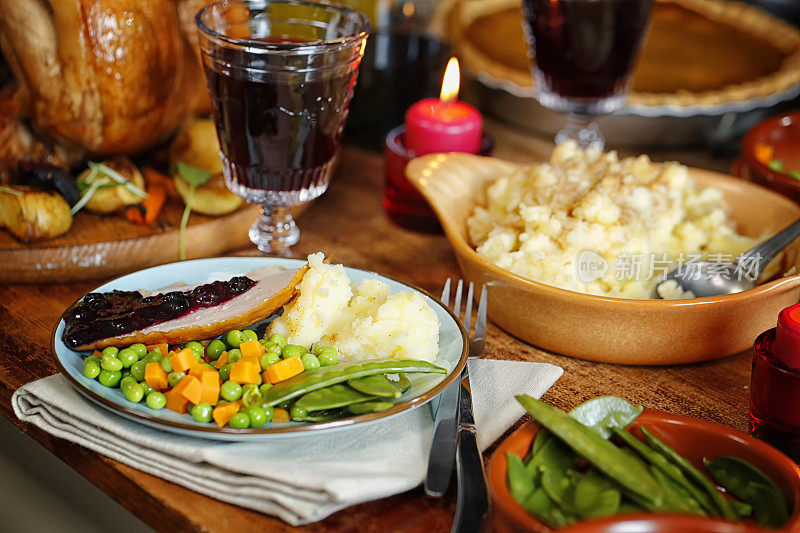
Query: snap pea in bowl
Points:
[453, 351]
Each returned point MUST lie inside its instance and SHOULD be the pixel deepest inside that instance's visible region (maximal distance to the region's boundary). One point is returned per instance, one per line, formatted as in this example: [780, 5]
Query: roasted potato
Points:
[34, 215]
[196, 145]
[111, 199]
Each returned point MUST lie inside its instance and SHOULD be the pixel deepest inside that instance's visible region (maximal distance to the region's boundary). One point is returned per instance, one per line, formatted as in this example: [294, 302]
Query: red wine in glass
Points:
[584, 51]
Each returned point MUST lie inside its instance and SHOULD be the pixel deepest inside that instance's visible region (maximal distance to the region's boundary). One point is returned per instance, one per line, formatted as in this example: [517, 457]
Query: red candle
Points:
[787, 337]
[444, 124]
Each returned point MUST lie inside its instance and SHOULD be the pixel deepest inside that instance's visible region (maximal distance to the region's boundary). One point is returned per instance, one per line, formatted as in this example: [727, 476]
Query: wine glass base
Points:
[583, 131]
[274, 231]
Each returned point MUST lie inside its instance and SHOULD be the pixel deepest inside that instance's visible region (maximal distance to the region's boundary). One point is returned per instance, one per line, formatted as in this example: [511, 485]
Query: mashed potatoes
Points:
[363, 322]
[590, 222]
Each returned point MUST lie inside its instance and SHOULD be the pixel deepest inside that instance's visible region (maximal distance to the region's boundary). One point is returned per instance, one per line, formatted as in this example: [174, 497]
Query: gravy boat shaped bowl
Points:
[604, 329]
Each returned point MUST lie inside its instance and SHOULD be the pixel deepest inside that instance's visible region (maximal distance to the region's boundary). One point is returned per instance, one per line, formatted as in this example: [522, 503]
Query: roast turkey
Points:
[96, 77]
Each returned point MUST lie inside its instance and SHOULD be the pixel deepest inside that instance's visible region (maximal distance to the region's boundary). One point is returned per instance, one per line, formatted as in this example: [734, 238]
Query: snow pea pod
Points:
[605, 413]
[337, 395]
[520, 483]
[672, 471]
[693, 473]
[556, 461]
[323, 416]
[626, 470]
[325, 376]
[748, 483]
[543, 508]
[675, 492]
[380, 385]
[374, 406]
[595, 496]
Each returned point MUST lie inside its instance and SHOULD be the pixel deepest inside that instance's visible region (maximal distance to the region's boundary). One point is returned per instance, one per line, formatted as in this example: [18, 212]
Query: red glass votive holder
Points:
[403, 204]
[774, 398]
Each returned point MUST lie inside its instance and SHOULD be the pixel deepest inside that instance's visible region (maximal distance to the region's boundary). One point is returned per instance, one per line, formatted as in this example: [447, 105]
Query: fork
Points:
[454, 428]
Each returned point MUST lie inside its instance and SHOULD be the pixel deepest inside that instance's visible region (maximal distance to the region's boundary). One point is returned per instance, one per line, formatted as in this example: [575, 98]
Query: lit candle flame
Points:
[409, 9]
[451, 81]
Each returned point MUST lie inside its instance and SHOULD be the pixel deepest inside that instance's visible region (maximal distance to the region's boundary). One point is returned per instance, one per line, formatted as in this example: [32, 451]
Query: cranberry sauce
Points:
[274, 125]
[585, 48]
[111, 314]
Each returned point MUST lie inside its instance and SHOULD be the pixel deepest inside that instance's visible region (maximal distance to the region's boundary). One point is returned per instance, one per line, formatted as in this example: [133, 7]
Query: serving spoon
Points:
[705, 278]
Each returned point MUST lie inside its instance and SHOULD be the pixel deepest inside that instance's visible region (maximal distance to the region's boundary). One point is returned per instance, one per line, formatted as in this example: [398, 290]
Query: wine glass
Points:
[584, 52]
[281, 75]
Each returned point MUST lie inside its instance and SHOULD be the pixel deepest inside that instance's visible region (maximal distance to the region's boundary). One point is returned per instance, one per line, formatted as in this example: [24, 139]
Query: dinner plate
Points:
[453, 351]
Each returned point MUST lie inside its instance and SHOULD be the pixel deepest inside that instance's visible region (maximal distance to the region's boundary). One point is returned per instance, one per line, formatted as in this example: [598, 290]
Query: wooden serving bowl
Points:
[613, 330]
[691, 437]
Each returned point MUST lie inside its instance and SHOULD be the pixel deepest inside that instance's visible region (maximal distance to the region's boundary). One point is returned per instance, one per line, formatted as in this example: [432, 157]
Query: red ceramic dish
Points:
[693, 438]
[782, 133]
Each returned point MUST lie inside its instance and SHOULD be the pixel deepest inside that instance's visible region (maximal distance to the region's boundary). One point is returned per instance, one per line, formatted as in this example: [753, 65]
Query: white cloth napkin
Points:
[299, 479]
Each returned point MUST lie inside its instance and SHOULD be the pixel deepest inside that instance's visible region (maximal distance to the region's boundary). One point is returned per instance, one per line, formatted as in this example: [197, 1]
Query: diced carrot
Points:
[253, 361]
[155, 376]
[183, 361]
[222, 361]
[134, 214]
[97, 353]
[764, 153]
[197, 370]
[281, 416]
[283, 370]
[163, 348]
[210, 382]
[190, 388]
[252, 349]
[176, 401]
[205, 343]
[223, 413]
[244, 372]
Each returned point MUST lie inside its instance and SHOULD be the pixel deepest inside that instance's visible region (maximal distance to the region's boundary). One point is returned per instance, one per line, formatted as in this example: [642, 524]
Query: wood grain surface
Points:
[348, 224]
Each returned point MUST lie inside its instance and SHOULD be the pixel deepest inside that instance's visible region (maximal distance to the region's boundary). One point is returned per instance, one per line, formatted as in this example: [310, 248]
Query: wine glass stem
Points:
[583, 130]
[274, 231]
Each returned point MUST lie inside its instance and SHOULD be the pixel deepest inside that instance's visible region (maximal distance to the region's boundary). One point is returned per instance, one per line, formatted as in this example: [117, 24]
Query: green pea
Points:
[173, 378]
[249, 335]
[297, 413]
[137, 370]
[257, 415]
[264, 343]
[125, 381]
[225, 372]
[239, 421]
[111, 363]
[291, 350]
[269, 412]
[111, 350]
[210, 367]
[215, 349]
[310, 361]
[156, 400]
[231, 391]
[147, 388]
[234, 355]
[251, 395]
[166, 365]
[234, 338]
[196, 348]
[139, 349]
[153, 357]
[273, 348]
[327, 356]
[133, 392]
[127, 357]
[92, 358]
[109, 378]
[91, 368]
[268, 359]
[278, 339]
[202, 412]
[126, 372]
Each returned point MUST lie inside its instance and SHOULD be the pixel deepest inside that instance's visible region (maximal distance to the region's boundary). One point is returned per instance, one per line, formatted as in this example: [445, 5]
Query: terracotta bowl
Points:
[613, 330]
[692, 437]
[782, 133]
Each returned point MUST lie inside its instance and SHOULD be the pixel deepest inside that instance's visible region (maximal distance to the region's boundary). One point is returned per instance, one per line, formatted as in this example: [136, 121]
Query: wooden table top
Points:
[348, 224]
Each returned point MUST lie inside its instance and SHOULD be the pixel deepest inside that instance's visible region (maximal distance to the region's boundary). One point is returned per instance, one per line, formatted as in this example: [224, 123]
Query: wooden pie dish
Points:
[613, 330]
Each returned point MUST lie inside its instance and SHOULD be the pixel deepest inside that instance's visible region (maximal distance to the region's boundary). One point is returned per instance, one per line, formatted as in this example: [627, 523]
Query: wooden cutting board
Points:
[101, 247]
